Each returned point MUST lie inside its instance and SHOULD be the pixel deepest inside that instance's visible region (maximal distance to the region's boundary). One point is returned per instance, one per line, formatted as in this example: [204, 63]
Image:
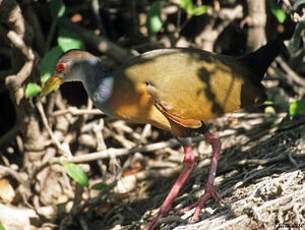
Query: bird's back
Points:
[185, 83]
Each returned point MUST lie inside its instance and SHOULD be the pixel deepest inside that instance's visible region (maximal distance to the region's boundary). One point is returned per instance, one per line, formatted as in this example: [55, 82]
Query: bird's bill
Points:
[52, 83]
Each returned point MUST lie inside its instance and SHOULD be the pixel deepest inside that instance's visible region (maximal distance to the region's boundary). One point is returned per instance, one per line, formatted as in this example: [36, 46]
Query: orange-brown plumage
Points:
[175, 90]
[187, 86]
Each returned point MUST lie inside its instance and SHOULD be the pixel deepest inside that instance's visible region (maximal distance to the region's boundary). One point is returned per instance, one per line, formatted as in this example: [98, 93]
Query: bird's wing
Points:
[191, 89]
[187, 123]
[190, 86]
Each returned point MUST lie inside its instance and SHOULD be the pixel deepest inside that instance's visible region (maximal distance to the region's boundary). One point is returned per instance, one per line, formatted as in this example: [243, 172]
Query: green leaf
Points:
[153, 21]
[277, 11]
[54, 6]
[268, 103]
[192, 10]
[270, 110]
[279, 14]
[1, 227]
[68, 40]
[186, 4]
[48, 63]
[101, 186]
[31, 90]
[297, 108]
[200, 10]
[76, 173]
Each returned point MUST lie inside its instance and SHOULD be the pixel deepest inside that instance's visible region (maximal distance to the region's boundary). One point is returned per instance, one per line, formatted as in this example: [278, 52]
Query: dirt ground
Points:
[260, 177]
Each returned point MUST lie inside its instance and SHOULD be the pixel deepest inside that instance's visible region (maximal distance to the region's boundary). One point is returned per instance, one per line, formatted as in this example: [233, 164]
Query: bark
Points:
[19, 35]
[256, 21]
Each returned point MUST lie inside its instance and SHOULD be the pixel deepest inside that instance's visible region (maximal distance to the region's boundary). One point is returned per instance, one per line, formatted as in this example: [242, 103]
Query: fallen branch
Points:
[54, 139]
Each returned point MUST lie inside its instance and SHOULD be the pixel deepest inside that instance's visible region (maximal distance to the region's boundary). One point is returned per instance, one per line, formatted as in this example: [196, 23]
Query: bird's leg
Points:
[210, 191]
[188, 165]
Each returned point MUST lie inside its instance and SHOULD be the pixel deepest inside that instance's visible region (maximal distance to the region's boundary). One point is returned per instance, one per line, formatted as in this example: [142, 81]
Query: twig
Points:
[77, 112]
[77, 199]
[292, 160]
[18, 42]
[95, 5]
[122, 126]
[83, 223]
[13, 173]
[145, 133]
[262, 161]
[101, 43]
[101, 145]
[14, 82]
[53, 26]
[45, 122]
[209, 34]
[113, 153]
[293, 75]
[122, 140]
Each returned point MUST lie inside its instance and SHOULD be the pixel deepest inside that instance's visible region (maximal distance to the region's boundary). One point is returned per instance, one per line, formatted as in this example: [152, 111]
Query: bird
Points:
[174, 89]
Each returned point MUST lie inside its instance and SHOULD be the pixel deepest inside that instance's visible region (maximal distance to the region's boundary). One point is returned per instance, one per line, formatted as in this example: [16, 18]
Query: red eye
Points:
[61, 67]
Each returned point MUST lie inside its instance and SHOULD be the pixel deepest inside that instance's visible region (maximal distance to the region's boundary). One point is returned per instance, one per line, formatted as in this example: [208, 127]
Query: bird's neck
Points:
[98, 84]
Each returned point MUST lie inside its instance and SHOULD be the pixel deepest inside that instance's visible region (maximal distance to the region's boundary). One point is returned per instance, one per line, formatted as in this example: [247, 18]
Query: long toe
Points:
[210, 192]
[154, 222]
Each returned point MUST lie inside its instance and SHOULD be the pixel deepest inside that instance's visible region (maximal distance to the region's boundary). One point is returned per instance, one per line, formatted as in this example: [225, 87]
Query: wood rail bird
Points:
[174, 89]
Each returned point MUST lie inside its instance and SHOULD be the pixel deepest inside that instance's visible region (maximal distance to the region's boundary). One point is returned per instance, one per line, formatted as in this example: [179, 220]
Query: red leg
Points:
[210, 191]
[188, 165]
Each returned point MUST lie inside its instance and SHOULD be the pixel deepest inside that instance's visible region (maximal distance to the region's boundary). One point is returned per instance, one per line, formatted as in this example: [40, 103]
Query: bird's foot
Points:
[210, 192]
[154, 221]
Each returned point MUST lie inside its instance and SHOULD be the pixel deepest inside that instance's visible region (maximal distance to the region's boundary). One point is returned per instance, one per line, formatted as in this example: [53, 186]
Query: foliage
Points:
[277, 11]
[66, 40]
[54, 4]
[101, 187]
[297, 108]
[76, 173]
[154, 22]
[48, 62]
[32, 89]
[192, 10]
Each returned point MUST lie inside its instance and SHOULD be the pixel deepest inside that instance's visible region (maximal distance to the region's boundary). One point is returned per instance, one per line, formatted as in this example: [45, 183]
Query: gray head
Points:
[74, 65]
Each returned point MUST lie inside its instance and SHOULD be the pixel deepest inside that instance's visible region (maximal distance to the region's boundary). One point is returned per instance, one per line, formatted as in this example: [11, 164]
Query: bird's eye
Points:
[61, 67]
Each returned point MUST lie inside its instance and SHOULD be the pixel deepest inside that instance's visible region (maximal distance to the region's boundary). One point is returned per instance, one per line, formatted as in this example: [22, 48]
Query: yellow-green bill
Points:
[53, 83]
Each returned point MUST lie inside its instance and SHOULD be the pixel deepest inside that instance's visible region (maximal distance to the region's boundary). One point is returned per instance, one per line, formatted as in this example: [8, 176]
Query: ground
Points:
[260, 177]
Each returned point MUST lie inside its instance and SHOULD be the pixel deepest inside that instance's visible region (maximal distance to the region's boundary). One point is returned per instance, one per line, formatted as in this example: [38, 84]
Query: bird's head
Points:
[73, 65]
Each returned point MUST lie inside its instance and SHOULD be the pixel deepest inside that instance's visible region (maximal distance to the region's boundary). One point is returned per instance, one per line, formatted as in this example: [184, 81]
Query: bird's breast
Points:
[132, 102]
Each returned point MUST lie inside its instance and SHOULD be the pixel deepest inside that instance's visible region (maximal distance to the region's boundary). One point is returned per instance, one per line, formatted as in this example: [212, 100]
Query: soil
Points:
[260, 178]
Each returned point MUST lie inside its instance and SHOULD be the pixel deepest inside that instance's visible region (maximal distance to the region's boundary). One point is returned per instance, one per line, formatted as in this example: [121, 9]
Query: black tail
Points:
[261, 59]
